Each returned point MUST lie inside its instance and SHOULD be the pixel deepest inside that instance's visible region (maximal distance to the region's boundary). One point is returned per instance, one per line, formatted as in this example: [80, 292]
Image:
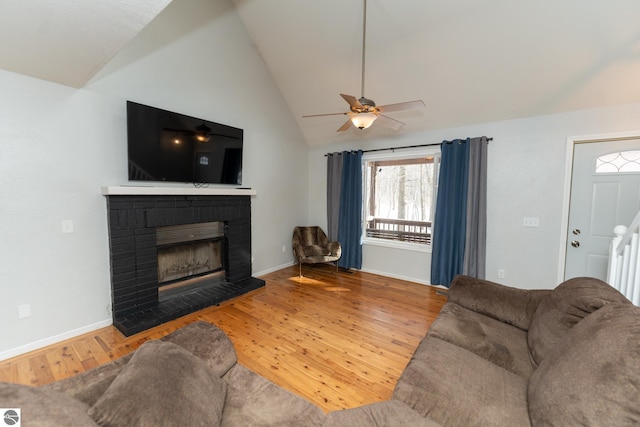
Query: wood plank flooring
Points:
[340, 340]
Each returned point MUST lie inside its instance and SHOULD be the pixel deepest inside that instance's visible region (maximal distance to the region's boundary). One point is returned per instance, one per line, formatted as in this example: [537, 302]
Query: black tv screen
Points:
[172, 147]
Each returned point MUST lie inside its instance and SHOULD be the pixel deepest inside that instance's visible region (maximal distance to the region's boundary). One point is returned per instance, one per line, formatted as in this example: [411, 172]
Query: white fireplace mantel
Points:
[124, 190]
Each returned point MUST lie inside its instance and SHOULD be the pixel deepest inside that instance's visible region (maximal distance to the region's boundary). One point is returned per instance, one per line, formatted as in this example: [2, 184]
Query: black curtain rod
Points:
[398, 148]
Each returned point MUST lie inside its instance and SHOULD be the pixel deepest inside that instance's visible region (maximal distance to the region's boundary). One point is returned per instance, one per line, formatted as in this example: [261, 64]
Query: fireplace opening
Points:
[190, 257]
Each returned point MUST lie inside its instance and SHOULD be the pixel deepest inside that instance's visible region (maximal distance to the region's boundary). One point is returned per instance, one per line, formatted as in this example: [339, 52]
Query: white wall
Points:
[51, 168]
[526, 178]
[59, 145]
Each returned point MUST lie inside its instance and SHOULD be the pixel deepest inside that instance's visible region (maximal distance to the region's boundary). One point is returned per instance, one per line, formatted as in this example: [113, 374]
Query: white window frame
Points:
[399, 155]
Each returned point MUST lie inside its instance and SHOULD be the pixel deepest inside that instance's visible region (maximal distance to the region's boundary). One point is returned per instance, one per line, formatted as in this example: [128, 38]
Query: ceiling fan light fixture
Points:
[363, 120]
[202, 133]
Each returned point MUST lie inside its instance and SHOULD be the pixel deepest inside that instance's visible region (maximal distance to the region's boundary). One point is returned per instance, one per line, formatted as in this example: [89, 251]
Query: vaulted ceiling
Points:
[69, 41]
[471, 61]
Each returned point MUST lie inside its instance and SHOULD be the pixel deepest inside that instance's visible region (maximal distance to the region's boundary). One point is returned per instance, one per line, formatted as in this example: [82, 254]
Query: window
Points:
[399, 198]
[626, 161]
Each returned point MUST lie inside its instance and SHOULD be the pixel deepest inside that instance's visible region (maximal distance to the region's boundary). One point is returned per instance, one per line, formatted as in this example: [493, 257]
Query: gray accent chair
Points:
[311, 246]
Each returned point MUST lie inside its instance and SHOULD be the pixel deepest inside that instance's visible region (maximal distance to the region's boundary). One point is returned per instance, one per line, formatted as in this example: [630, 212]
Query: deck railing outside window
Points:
[400, 229]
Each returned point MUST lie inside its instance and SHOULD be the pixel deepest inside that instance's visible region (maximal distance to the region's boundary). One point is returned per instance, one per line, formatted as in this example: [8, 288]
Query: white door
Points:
[605, 192]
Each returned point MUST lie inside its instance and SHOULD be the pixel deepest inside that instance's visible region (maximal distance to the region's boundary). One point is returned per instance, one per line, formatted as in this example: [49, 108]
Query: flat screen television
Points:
[171, 147]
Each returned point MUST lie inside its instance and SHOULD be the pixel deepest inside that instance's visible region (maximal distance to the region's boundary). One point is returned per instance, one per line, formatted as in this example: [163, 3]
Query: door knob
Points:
[575, 244]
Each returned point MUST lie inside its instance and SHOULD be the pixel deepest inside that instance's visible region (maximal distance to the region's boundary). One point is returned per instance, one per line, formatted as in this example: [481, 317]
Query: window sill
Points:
[407, 246]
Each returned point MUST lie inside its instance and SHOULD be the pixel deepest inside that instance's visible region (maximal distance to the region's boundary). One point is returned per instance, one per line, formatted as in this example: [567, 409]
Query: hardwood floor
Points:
[339, 340]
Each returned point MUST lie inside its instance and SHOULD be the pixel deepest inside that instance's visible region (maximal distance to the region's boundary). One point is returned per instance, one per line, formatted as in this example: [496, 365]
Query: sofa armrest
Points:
[510, 305]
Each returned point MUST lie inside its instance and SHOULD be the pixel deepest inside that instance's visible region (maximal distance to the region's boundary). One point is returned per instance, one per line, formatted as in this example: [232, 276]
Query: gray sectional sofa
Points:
[495, 356]
[500, 356]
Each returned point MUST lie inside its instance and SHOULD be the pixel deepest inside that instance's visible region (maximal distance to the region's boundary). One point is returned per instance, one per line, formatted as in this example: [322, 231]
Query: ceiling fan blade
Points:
[328, 114]
[402, 106]
[351, 100]
[389, 122]
[345, 126]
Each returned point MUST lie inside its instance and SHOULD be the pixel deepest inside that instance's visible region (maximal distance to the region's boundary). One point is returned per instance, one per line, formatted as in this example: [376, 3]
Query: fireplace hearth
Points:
[172, 255]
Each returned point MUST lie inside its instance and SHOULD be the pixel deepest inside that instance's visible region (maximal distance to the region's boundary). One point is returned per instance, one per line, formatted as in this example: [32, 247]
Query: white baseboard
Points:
[271, 270]
[405, 278]
[36, 345]
[366, 270]
[400, 277]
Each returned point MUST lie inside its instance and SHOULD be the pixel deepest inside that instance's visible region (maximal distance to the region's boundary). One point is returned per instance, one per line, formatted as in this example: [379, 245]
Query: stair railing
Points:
[624, 260]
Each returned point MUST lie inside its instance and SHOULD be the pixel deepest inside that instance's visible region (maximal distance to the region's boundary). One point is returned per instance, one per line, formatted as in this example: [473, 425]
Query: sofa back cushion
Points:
[591, 378]
[507, 304]
[559, 311]
[163, 384]
[208, 342]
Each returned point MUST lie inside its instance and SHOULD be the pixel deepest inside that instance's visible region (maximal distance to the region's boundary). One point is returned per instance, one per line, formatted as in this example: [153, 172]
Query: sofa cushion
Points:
[208, 342]
[45, 408]
[592, 377]
[453, 386]
[163, 384]
[491, 339]
[504, 303]
[391, 413]
[203, 339]
[252, 400]
[90, 385]
[559, 311]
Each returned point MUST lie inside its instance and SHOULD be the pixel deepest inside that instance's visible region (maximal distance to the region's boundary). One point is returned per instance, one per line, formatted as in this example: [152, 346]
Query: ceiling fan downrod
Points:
[364, 48]
[363, 100]
[363, 112]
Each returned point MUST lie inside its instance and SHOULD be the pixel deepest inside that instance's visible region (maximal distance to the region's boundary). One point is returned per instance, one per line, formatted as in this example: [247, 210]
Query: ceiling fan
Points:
[363, 111]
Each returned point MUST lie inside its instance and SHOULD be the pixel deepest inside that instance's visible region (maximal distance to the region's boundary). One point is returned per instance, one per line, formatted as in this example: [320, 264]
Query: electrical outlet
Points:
[24, 311]
[67, 226]
[284, 248]
[530, 221]
[501, 273]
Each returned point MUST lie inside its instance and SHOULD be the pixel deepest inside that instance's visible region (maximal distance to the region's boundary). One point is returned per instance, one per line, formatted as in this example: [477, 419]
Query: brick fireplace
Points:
[134, 221]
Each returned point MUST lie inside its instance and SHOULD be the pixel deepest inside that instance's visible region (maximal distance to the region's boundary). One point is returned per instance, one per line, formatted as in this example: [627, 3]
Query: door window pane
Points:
[620, 162]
